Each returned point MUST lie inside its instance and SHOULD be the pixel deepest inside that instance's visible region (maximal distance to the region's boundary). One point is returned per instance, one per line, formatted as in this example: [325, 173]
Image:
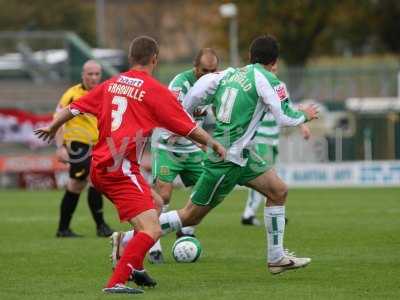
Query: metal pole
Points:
[100, 22]
[367, 144]
[338, 144]
[398, 85]
[391, 134]
[229, 10]
[233, 41]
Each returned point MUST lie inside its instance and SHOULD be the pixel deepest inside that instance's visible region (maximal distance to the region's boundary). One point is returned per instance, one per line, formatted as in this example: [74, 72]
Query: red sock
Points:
[133, 257]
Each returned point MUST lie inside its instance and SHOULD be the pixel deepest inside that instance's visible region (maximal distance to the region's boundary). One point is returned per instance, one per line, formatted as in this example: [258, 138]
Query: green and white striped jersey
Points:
[180, 85]
[268, 132]
[241, 97]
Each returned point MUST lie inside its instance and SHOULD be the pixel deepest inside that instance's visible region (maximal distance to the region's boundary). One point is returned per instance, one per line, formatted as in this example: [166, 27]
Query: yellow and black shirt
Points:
[82, 128]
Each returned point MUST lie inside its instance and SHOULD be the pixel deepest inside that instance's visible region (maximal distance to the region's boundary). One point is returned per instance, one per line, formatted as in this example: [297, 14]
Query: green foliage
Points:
[387, 23]
[312, 28]
[352, 238]
[72, 15]
[296, 24]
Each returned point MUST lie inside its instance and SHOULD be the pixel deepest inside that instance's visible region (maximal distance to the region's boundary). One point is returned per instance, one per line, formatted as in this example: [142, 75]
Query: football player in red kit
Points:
[128, 107]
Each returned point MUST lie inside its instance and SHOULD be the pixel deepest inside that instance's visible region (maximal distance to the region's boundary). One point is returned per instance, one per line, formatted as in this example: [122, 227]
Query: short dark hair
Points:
[142, 49]
[264, 50]
[202, 52]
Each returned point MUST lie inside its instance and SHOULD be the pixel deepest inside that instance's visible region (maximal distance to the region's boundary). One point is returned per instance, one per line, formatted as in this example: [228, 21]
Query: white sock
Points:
[170, 221]
[188, 230]
[274, 218]
[165, 208]
[253, 202]
[156, 247]
[127, 237]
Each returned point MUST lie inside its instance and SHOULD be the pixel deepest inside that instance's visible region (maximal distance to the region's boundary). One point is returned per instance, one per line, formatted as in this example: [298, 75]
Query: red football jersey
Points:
[128, 107]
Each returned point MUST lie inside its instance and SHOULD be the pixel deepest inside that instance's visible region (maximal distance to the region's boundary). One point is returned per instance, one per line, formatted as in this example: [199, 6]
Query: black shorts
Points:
[80, 155]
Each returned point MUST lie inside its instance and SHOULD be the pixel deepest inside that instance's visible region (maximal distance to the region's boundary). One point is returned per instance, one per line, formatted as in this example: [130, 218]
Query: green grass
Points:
[352, 235]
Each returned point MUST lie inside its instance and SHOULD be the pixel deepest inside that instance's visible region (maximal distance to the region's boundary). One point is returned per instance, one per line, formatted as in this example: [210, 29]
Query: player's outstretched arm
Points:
[286, 115]
[277, 99]
[48, 133]
[200, 136]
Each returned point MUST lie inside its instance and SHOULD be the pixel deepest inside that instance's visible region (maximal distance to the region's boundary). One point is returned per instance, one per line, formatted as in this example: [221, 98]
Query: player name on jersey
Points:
[129, 91]
[240, 78]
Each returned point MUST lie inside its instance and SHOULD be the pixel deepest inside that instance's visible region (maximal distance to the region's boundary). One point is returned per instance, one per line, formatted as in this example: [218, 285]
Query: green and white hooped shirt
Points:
[268, 132]
[241, 97]
[180, 85]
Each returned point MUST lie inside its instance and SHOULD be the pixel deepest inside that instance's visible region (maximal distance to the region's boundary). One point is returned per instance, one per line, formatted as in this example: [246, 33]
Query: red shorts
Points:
[125, 187]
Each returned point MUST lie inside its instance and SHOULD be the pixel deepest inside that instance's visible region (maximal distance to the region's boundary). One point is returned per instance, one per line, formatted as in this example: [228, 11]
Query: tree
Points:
[49, 15]
[296, 24]
[386, 15]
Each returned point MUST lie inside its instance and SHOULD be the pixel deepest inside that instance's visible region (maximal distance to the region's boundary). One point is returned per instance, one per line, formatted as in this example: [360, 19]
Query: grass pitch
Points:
[352, 235]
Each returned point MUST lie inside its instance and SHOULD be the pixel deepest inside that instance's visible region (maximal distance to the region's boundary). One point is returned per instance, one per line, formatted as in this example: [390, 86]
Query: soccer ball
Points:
[186, 249]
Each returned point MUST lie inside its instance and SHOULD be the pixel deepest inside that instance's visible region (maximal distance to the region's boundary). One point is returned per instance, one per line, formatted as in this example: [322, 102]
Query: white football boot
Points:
[288, 262]
[120, 288]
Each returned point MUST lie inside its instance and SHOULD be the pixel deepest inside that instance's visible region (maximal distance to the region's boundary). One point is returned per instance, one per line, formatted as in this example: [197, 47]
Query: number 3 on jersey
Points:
[116, 115]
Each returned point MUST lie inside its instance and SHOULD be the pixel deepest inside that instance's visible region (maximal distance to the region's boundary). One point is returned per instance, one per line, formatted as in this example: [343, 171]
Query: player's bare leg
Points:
[270, 185]
[147, 231]
[147, 223]
[161, 195]
[164, 189]
[76, 186]
[158, 201]
[120, 239]
[190, 215]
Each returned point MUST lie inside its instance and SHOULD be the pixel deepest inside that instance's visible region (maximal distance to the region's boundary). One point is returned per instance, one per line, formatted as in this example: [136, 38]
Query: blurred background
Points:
[343, 55]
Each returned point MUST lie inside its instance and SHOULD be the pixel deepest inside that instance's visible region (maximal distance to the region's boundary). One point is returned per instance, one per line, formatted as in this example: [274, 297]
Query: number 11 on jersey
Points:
[227, 101]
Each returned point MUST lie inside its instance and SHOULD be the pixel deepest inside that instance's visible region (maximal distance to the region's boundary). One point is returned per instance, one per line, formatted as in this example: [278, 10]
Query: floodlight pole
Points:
[338, 144]
[367, 144]
[233, 38]
[398, 85]
[229, 10]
